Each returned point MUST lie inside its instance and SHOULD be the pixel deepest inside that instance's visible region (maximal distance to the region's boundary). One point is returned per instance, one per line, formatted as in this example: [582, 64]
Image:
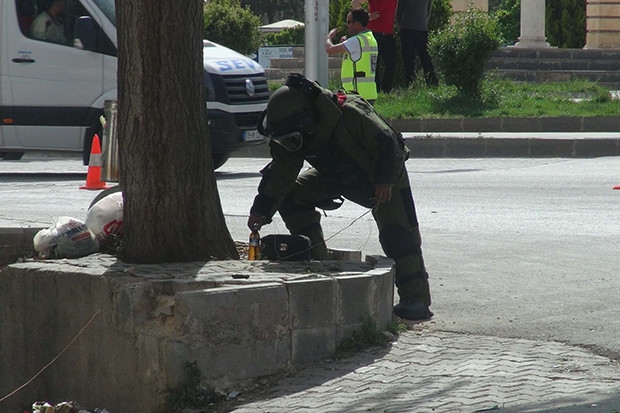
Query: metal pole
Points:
[109, 153]
[317, 27]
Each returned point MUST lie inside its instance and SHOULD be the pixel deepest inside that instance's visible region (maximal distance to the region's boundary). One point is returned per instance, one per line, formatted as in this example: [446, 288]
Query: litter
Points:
[67, 238]
[64, 407]
[105, 220]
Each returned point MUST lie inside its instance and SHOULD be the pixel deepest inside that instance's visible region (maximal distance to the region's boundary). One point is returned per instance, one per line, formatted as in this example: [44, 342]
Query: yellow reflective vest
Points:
[359, 76]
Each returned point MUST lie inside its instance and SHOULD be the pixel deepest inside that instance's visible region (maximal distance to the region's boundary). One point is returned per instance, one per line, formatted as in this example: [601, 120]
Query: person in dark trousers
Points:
[412, 17]
[381, 23]
[355, 155]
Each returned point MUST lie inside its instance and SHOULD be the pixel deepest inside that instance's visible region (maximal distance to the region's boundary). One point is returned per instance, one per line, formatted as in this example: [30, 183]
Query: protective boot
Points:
[412, 310]
[315, 233]
[415, 299]
[319, 248]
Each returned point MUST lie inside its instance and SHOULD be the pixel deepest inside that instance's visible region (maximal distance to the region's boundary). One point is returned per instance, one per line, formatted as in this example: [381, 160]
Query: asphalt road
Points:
[525, 248]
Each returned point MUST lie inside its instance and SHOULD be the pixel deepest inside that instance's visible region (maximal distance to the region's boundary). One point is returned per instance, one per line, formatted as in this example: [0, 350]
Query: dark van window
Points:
[26, 13]
[56, 21]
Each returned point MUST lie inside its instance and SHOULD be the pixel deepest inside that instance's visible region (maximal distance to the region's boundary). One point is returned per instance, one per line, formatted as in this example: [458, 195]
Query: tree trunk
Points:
[172, 209]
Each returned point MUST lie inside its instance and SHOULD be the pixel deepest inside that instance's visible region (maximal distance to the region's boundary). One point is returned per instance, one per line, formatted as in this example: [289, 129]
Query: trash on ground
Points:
[105, 220]
[64, 407]
[67, 238]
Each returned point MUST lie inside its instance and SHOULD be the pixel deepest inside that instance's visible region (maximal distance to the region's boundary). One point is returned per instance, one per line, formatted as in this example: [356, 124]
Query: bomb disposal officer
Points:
[354, 154]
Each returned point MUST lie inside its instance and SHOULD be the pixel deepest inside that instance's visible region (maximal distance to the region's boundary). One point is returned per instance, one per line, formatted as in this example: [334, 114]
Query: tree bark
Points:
[172, 209]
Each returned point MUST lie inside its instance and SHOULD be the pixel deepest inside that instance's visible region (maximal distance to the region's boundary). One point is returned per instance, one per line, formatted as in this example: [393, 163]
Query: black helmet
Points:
[289, 118]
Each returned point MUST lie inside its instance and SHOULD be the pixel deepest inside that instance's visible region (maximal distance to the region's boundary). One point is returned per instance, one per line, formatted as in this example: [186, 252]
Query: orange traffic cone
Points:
[93, 177]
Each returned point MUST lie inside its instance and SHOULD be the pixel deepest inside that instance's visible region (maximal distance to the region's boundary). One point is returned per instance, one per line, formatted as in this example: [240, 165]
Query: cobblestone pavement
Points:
[437, 372]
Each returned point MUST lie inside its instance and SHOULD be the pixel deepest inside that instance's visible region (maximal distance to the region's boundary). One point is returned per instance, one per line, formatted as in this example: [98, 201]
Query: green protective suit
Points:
[353, 151]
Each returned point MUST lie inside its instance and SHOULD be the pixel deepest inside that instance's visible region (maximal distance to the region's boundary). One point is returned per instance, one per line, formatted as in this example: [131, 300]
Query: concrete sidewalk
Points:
[426, 371]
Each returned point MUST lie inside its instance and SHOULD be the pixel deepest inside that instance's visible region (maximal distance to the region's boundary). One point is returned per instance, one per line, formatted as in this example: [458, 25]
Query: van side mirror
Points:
[86, 32]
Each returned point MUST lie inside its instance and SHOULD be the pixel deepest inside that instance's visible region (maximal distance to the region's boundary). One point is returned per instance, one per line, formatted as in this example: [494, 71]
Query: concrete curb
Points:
[16, 243]
[592, 124]
[510, 147]
[456, 138]
[457, 145]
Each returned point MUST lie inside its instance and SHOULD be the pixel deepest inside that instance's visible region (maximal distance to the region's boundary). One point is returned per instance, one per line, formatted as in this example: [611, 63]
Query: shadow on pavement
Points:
[235, 175]
[313, 377]
[577, 404]
[15, 177]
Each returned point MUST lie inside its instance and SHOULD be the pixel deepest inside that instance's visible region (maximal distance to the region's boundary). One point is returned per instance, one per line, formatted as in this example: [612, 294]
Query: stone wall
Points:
[603, 25]
[238, 320]
[16, 243]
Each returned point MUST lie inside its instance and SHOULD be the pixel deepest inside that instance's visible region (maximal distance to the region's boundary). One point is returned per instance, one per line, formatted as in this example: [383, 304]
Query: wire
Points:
[327, 239]
[55, 358]
[368, 234]
[348, 226]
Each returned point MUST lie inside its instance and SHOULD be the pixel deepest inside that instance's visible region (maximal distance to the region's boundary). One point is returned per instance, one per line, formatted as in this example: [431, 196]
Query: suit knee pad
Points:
[398, 243]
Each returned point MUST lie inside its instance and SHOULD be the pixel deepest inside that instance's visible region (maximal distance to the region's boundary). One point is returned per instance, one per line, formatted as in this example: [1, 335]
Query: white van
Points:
[52, 95]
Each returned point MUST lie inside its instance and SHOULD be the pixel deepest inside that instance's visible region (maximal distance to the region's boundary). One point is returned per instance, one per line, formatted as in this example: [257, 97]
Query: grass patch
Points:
[190, 393]
[500, 98]
[397, 327]
[368, 336]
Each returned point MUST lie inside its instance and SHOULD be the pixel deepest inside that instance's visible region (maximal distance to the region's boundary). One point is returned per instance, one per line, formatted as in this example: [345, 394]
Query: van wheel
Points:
[11, 156]
[219, 159]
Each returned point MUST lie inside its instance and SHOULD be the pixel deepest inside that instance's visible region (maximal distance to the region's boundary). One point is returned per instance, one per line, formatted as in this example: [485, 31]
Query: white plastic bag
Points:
[42, 407]
[105, 219]
[68, 238]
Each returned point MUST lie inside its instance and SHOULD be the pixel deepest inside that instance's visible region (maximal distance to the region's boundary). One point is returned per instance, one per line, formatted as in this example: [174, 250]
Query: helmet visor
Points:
[292, 141]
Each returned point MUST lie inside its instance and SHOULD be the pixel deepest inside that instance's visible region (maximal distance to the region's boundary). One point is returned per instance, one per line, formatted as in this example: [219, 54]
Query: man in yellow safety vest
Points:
[359, 50]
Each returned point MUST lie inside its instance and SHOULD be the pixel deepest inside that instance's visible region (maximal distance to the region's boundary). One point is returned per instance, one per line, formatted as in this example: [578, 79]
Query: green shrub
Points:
[508, 17]
[441, 13]
[338, 10]
[461, 51]
[566, 23]
[231, 25]
[293, 36]
[366, 337]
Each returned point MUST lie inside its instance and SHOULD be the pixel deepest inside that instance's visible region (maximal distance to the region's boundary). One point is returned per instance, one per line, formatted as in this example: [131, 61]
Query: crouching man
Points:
[354, 155]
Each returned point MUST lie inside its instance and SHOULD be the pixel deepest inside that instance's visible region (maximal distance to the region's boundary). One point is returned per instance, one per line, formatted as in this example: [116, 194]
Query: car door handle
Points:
[23, 60]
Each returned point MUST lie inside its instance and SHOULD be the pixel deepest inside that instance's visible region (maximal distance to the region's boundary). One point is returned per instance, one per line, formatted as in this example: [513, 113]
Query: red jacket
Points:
[387, 10]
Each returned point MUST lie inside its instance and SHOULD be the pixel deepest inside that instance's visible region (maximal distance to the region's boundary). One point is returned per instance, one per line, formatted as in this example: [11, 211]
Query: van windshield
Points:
[107, 7]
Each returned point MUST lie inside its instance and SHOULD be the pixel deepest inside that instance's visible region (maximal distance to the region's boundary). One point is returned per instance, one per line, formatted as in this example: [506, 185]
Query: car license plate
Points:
[252, 136]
